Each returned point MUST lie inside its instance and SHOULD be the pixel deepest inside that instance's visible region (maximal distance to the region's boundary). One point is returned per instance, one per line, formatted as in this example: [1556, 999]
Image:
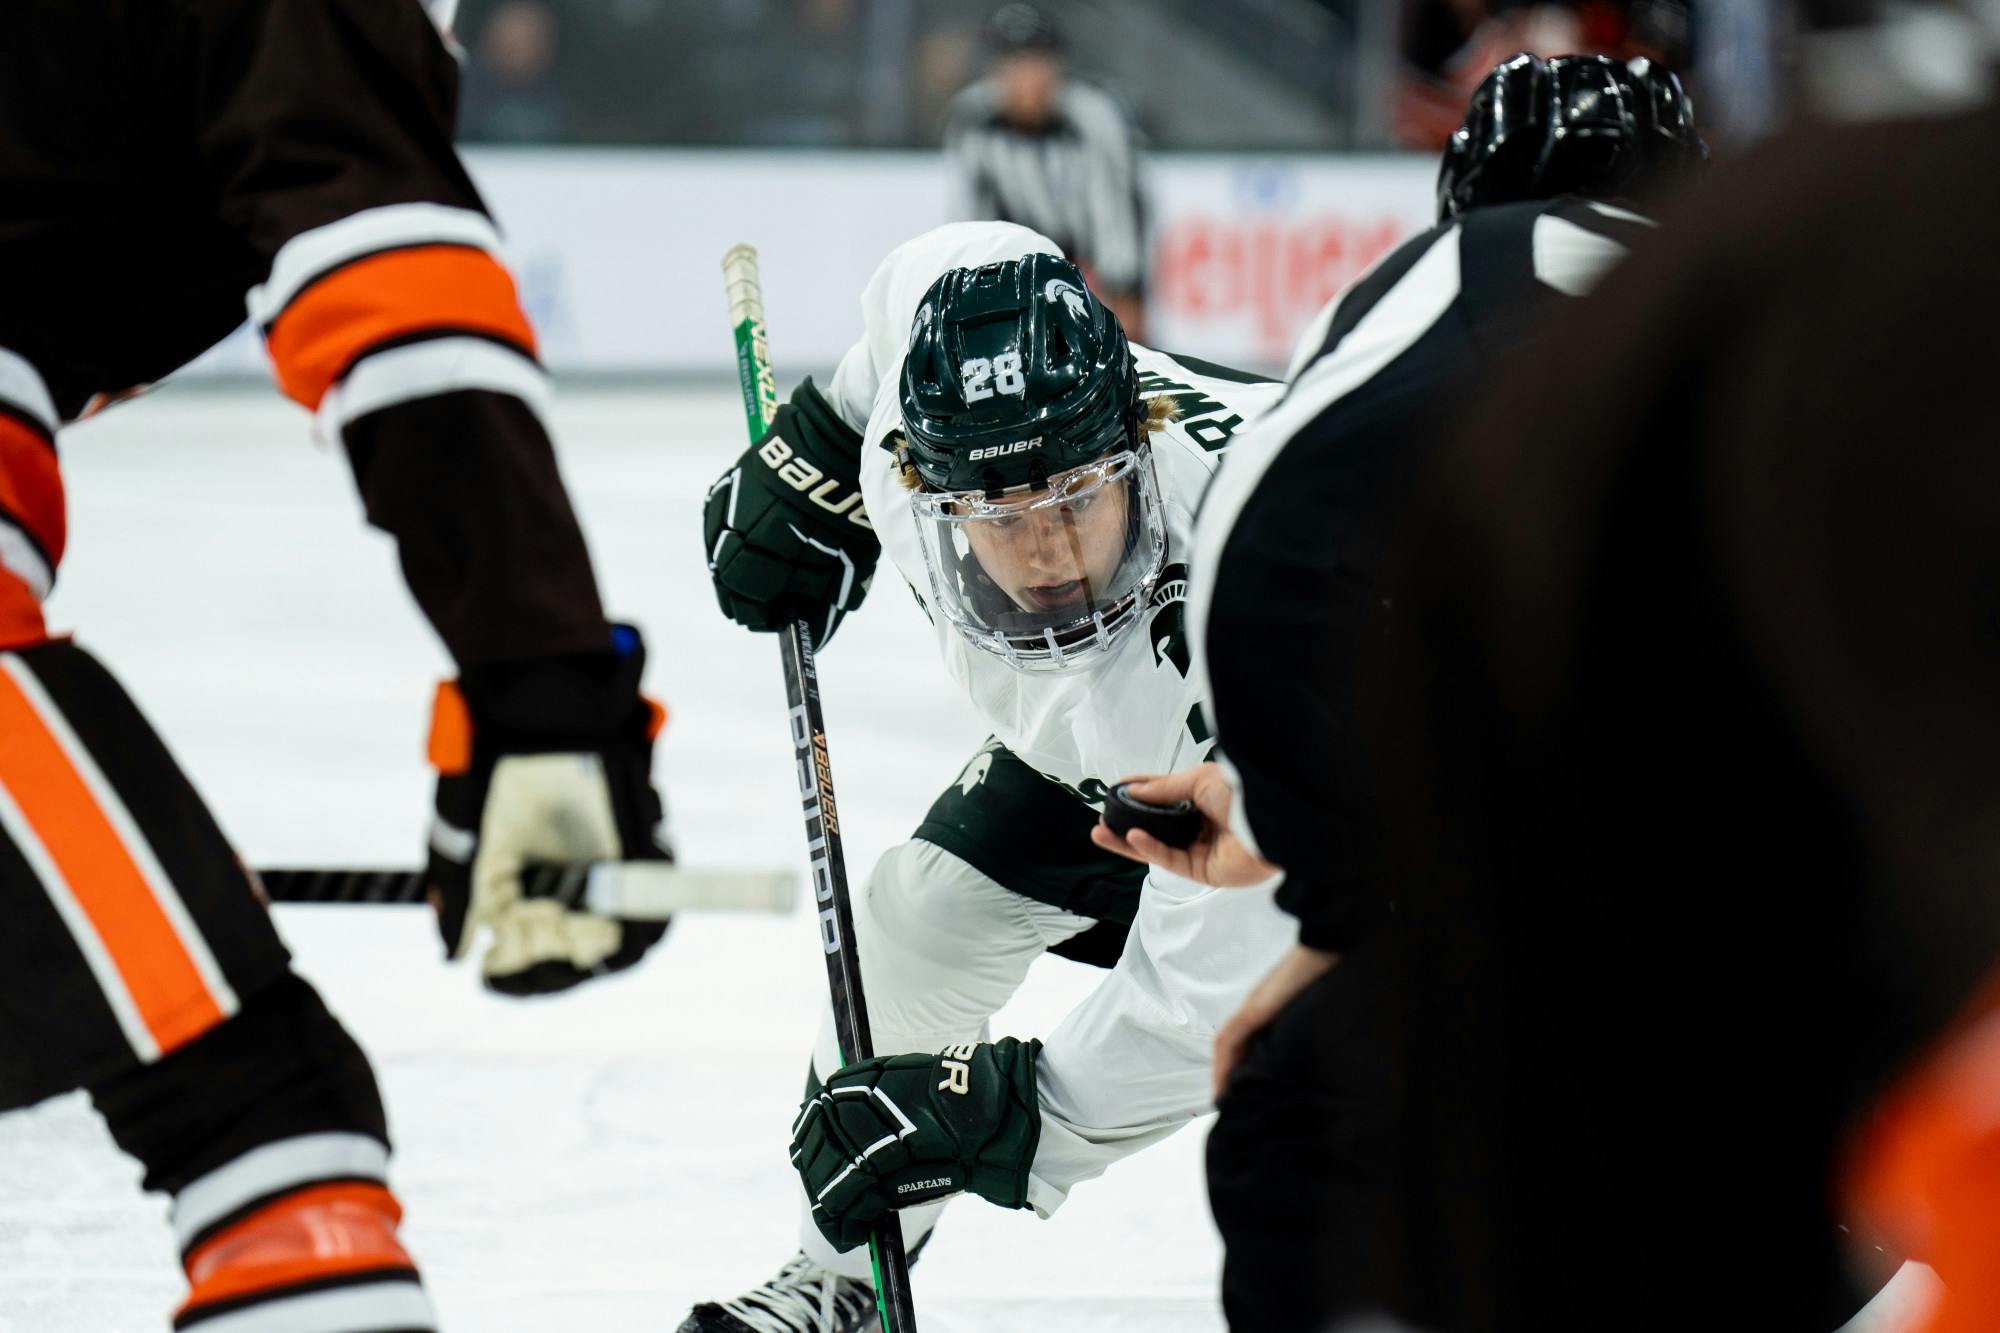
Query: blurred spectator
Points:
[816, 51]
[943, 62]
[509, 93]
[1661, 30]
[1448, 45]
[1033, 145]
[1249, 74]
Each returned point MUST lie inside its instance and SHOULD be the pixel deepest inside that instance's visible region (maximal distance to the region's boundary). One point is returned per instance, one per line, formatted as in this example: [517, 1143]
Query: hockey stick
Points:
[634, 890]
[822, 816]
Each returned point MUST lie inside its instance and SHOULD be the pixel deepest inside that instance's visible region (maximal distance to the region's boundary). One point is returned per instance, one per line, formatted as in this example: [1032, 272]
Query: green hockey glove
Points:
[785, 530]
[905, 1129]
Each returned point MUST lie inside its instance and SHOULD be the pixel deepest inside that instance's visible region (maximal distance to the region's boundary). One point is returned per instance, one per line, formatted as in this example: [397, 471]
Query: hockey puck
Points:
[1177, 824]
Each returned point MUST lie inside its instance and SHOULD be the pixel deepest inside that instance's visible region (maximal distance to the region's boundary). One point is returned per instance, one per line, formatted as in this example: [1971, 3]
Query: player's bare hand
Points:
[1216, 857]
[1280, 986]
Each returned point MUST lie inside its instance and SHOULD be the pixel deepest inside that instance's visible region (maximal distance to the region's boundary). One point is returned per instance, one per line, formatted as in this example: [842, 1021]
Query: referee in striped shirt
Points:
[1030, 144]
[1286, 593]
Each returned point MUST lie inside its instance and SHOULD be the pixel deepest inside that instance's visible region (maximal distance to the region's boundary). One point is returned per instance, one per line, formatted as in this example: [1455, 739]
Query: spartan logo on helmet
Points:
[1058, 290]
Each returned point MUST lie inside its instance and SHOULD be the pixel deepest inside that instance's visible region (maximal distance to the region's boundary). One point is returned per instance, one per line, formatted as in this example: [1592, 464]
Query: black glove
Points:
[543, 760]
[905, 1129]
[785, 530]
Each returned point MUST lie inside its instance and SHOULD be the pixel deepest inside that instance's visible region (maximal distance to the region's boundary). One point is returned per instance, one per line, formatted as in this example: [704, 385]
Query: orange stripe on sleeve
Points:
[450, 747]
[165, 985]
[31, 486]
[339, 317]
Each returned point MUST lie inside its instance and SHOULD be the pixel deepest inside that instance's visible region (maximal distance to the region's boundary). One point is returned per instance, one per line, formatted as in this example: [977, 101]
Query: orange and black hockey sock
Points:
[318, 1259]
[269, 1134]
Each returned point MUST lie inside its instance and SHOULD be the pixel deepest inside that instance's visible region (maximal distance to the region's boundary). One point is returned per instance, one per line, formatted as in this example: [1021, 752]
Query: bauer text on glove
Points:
[905, 1129]
[786, 532]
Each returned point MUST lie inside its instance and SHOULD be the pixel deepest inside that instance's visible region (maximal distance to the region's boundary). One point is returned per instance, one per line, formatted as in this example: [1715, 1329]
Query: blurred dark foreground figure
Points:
[1692, 730]
[1548, 183]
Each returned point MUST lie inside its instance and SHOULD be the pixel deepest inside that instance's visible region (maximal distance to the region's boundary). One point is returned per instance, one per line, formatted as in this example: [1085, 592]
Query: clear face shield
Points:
[1048, 577]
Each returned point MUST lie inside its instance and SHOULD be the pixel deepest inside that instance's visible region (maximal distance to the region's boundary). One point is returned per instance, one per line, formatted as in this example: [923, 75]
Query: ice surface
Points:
[598, 1161]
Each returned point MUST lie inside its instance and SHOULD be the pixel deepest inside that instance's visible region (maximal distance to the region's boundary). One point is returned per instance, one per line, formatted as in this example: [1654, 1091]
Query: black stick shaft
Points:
[759, 384]
[348, 885]
[836, 932]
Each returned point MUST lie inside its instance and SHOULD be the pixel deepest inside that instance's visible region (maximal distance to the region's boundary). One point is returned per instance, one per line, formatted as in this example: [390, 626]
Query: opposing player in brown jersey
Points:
[160, 162]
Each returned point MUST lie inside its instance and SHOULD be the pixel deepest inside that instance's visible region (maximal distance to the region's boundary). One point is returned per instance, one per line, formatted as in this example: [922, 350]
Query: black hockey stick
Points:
[822, 816]
[633, 890]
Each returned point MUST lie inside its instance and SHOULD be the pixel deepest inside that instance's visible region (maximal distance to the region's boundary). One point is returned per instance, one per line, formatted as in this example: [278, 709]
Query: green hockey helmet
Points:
[1039, 510]
[1015, 372]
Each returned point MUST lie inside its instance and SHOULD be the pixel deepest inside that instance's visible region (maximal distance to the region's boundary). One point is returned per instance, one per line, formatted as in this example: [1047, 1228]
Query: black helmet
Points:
[1585, 125]
[1015, 372]
[1020, 27]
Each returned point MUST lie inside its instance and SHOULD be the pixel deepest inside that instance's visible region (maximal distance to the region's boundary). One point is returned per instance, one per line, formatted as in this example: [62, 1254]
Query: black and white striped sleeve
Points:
[389, 312]
[1115, 240]
[1285, 549]
[1294, 536]
[971, 194]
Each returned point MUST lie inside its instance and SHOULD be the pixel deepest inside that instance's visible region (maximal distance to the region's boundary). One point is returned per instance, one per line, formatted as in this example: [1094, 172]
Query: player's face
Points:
[1029, 82]
[1054, 559]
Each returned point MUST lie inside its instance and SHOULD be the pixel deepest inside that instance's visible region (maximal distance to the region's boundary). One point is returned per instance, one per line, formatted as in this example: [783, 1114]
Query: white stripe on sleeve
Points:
[312, 254]
[1397, 321]
[424, 369]
[1570, 258]
[21, 388]
[273, 1169]
[1622, 214]
[19, 557]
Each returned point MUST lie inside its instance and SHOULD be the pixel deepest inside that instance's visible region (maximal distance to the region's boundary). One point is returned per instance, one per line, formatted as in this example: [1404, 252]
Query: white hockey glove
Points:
[542, 762]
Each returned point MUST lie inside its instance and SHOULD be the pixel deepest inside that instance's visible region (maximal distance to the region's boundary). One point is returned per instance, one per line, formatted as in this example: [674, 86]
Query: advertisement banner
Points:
[1246, 252]
[618, 252]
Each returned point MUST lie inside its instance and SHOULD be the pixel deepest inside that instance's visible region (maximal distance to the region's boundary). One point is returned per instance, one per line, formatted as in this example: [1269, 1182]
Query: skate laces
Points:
[804, 1298]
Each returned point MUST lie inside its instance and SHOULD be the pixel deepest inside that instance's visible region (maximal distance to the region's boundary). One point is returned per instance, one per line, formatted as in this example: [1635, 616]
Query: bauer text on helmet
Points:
[1038, 503]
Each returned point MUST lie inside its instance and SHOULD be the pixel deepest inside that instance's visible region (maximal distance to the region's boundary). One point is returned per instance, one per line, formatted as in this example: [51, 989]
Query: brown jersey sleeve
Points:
[325, 132]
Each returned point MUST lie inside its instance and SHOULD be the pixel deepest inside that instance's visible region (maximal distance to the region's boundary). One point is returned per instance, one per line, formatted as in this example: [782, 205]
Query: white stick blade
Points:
[653, 890]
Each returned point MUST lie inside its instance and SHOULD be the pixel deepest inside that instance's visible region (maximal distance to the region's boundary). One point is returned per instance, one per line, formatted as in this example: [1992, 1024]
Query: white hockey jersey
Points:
[1131, 1063]
[1139, 711]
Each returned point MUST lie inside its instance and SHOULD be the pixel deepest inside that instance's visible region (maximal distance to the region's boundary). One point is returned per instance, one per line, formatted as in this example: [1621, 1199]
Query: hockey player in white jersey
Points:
[1033, 477]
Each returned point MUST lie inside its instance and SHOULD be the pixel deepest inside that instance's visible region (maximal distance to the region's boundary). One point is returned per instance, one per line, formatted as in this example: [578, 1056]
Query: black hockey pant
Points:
[1301, 1159]
[138, 961]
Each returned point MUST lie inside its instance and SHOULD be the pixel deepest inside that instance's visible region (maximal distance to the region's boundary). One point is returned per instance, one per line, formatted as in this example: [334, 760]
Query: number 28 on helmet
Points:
[1024, 442]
